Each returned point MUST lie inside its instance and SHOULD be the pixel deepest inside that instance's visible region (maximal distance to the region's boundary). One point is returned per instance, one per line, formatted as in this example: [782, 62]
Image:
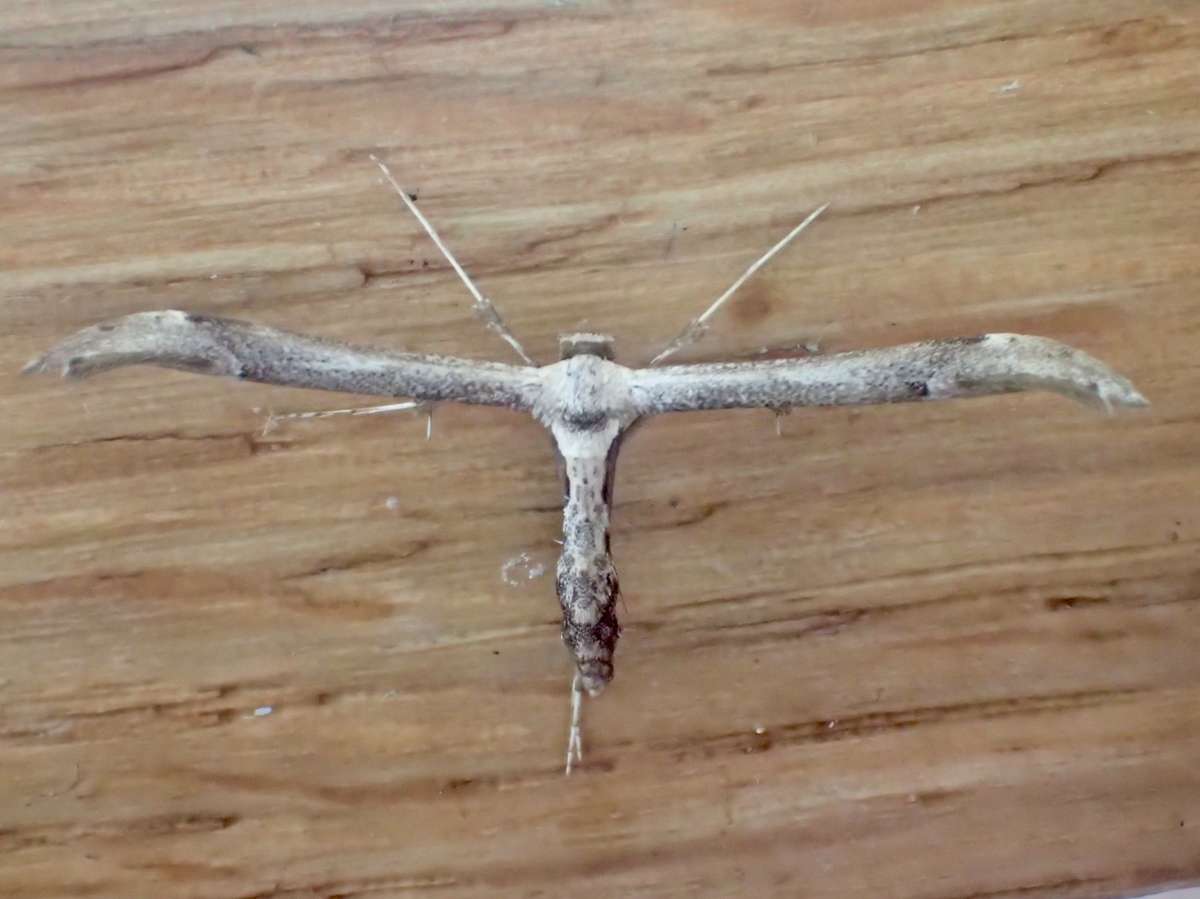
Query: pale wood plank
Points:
[934, 652]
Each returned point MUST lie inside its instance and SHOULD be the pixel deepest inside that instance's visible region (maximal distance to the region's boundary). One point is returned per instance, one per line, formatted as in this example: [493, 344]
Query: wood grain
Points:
[935, 652]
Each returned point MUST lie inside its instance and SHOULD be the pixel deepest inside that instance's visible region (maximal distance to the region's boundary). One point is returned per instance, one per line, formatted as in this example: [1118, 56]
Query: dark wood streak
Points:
[1063, 888]
[349, 888]
[1066, 173]
[569, 233]
[253, 442]
[873, 724]
[16, 839]
[1046, 559]
[1104, 32]
[193, 61]
[372, 559]
[640, 515]
[818, 623]
[205, 707]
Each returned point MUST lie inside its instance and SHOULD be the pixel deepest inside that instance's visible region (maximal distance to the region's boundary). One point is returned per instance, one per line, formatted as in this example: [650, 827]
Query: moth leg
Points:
[780, 411]
[575, 737]
[699, 325]
[274, 418]
[484, 308]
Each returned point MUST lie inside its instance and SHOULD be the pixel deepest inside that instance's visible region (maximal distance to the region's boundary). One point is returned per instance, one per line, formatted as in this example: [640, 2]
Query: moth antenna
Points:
[696, 327]
[274, 418]
[484, 307]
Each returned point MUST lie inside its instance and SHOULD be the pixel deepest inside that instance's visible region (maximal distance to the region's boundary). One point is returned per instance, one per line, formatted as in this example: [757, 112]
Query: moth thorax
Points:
[585, 345]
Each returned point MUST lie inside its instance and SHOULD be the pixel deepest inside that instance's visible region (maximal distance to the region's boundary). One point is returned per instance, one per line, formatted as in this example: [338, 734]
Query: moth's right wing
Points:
[934, 370]
[221, 346]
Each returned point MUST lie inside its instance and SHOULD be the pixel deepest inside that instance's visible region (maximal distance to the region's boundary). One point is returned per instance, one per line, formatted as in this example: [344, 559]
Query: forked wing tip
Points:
[41, 365]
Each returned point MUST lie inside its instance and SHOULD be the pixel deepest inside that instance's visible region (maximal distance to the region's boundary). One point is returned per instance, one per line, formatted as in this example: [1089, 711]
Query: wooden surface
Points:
[945, 651]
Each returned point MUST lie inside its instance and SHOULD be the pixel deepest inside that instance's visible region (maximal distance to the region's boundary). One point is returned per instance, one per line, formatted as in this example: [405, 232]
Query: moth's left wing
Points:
[171, 338]
[934, 370]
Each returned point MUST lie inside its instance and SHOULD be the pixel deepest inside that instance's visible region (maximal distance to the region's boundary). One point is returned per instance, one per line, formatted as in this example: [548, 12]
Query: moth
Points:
[588, 402]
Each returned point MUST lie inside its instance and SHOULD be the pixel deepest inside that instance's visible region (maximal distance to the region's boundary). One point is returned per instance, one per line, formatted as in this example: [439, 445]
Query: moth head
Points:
[585, 345]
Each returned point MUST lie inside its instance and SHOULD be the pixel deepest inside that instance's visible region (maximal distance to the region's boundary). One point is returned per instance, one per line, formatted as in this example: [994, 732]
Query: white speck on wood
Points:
[511, 570]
